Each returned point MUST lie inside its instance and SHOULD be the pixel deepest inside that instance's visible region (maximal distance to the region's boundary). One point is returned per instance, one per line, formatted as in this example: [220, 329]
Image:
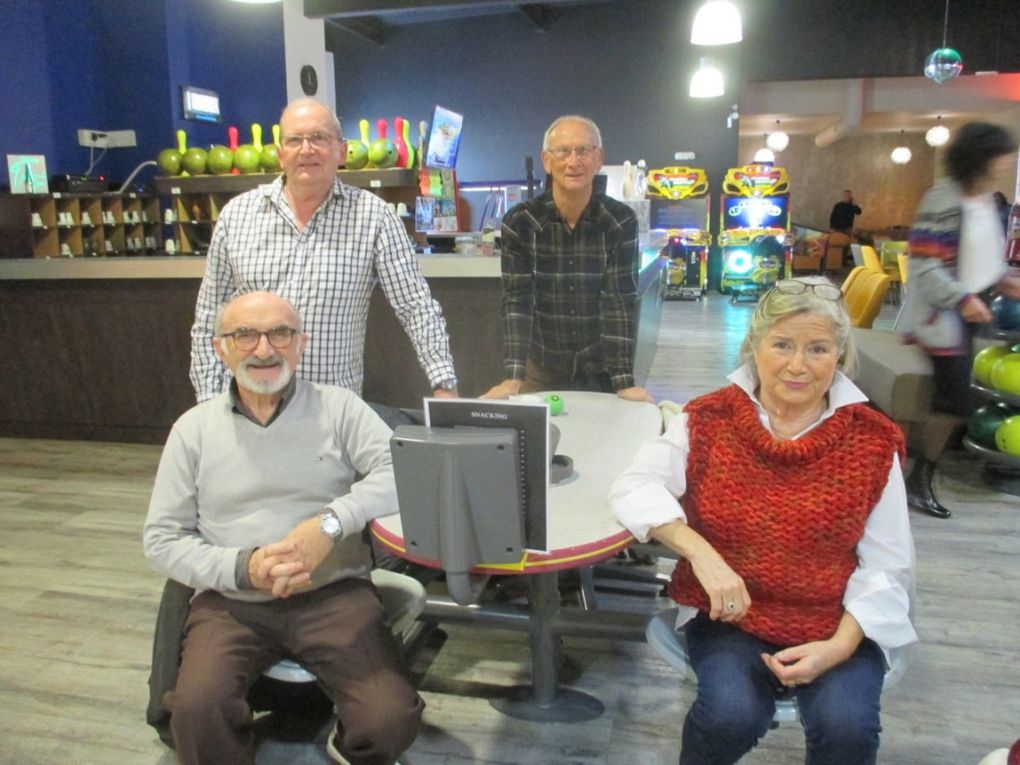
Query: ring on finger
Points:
[731, 606]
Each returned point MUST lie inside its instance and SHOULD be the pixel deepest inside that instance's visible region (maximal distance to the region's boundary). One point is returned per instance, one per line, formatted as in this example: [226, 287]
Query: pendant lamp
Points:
[777, 140]
[707, 82]
[717, 22]
[901, 154]
[943, 63]
[937, 135]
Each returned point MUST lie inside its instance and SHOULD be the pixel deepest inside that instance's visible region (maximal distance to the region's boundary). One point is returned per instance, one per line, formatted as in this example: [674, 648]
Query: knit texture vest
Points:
[785, 515]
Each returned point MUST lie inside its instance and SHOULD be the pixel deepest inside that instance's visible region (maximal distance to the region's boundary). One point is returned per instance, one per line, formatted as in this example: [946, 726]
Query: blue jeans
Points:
[737, 695]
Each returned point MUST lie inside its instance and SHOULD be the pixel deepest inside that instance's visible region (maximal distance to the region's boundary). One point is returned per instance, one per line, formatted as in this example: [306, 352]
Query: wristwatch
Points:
[329, 523]
[448, 384]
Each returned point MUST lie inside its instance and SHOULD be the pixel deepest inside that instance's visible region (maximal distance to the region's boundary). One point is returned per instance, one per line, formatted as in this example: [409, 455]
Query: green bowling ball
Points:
[1007, 436]
[169, 161]
[985, 420]
[195, 160]
[985, 360]
[382, 153]
[220, 160]
[247, 159]
[1006, 374]
[270, 158]
[357, 155]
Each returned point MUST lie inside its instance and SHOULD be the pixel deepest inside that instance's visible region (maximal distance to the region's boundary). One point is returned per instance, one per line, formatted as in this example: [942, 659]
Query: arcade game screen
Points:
[755, 212]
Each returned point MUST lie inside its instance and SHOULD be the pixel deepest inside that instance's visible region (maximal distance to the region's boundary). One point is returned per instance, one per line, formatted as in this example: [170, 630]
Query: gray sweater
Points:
[225, 484]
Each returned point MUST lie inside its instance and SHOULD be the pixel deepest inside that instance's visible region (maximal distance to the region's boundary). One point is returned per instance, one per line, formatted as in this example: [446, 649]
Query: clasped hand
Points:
[285, 566]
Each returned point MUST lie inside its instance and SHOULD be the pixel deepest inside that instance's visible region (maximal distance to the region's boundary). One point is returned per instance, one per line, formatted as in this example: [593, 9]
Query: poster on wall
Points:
[27, 173]
[444, 140]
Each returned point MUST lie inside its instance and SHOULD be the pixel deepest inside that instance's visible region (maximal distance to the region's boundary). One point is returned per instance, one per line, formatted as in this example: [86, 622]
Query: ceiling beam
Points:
[346, 8]
[364, 27]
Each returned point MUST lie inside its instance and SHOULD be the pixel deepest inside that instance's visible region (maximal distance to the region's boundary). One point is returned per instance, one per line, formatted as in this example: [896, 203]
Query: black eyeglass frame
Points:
[280, 344]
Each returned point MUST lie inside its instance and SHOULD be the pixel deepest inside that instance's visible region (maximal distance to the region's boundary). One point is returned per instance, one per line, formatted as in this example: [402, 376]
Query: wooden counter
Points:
[99, 348]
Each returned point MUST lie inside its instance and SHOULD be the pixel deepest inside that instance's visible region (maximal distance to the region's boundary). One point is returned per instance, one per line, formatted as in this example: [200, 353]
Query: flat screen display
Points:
[755, 212]
[199, 104]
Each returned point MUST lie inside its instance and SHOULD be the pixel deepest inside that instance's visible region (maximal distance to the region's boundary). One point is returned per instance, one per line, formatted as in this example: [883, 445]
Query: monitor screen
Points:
[755, 212]
[199, 104]
[679, 213]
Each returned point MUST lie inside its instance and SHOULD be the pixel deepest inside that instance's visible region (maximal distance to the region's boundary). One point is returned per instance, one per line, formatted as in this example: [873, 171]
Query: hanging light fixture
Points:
[943, 63]
[707, 82]
[777, 140]
[717, 22]
[937, 135]
[901, 154]
[764, 155]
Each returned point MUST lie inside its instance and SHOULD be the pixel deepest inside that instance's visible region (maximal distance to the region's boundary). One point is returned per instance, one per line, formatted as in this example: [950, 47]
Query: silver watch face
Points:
[329, 524]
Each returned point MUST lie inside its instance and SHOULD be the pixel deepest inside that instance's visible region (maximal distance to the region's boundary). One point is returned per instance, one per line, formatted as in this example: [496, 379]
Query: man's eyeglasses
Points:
[797, 287]
[248, 339]
[563, 153]
[315, 140]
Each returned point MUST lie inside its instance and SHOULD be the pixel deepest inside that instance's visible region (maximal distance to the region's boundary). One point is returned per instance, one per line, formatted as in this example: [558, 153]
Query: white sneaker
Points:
[333, 752]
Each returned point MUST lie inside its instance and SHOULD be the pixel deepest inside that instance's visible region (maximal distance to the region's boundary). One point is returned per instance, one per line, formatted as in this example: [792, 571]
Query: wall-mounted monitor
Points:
[199, 104]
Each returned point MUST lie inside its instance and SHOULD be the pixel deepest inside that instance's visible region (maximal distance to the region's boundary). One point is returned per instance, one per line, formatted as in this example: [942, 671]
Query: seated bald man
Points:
[255, 506]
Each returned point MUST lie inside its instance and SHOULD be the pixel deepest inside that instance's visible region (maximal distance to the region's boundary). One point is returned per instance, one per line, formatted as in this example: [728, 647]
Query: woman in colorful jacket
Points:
[957, 258]
[783, 496]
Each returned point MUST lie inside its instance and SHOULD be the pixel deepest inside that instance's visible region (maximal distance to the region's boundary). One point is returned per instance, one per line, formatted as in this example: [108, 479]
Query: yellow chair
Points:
[864, 298]
[852, 277]
[871, 259]
[874, 263]
[901, 262]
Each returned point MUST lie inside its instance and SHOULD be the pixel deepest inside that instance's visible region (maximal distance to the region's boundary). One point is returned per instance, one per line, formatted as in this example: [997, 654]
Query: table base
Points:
[567, 706]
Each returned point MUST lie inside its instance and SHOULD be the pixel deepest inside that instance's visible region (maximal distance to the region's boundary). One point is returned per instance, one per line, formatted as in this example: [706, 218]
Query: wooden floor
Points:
[79, 601]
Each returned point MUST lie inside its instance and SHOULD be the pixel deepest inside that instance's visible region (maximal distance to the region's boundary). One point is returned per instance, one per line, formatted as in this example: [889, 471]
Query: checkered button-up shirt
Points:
[327, 271]
[569, 296]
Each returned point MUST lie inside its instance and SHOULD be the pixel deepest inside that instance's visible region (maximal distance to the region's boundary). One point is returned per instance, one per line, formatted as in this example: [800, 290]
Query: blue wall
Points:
[119, 65]
[625, 64]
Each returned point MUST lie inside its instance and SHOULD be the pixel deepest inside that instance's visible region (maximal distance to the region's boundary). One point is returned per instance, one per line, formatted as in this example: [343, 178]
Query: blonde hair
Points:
[775, 306]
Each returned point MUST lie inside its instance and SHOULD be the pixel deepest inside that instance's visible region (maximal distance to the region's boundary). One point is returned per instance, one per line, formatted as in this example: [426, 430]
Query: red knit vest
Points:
[785, 515]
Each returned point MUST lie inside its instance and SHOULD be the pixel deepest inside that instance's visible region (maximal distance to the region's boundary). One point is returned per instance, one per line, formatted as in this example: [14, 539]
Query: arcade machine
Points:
[754, 209]
[680, 208]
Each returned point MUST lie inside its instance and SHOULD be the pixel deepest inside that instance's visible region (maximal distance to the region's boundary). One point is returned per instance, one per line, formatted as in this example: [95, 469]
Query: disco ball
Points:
[943, 64]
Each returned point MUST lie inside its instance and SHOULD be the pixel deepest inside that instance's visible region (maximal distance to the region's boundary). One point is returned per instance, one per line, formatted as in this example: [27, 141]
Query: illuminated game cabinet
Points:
[680, 208]
[754, 230]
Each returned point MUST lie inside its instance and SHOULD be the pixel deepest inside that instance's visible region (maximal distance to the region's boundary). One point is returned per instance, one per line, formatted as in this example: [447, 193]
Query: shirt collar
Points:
[237, 405]
[842, 392]
[274, 191]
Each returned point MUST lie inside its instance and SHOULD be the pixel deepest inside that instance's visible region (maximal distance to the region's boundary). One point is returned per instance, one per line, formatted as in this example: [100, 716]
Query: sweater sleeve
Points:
[365, 439]
[171, 538]
[879, 591]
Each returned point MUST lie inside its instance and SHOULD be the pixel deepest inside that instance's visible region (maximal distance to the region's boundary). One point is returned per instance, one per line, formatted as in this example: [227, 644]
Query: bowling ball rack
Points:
[1001, 471]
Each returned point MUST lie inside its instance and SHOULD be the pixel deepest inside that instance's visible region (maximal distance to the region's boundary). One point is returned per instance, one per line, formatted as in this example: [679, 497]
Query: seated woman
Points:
[796, 555]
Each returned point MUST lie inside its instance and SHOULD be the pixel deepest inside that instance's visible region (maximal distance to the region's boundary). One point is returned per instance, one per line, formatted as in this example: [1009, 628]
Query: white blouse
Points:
[878, 592]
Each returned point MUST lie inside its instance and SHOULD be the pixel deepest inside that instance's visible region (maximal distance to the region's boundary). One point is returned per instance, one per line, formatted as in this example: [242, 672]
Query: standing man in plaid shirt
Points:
[323, 246]
[570, 277]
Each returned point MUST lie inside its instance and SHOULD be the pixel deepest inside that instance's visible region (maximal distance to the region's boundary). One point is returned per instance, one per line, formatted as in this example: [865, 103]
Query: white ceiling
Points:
[889, 104]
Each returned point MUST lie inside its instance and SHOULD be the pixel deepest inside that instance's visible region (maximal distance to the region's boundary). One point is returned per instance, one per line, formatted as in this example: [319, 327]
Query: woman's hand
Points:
[725, 588]
[802, 664]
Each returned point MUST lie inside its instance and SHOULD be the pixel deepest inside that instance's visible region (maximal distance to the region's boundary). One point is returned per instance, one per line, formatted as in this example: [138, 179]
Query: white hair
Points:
[590, 124]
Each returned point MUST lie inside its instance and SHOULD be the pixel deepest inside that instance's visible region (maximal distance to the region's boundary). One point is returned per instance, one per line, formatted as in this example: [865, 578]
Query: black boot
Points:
[921, 492]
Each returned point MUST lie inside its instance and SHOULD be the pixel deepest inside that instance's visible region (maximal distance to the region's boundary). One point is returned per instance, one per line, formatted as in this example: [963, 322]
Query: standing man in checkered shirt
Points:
[323, 246]
[570, 263]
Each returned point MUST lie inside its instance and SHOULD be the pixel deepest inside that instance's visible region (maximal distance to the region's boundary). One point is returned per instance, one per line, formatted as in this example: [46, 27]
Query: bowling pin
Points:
[182, 146]
[398, 141]
[233, 139]
[406, 133]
